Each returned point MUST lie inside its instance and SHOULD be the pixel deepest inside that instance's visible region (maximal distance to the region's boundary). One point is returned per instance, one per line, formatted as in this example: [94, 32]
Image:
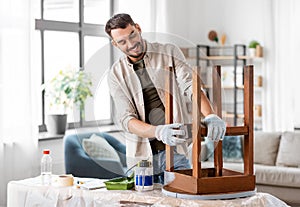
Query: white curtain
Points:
[18, 130]
[282, 28]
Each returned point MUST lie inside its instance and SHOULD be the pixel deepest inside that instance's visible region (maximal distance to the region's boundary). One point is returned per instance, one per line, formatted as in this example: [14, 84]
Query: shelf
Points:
[233, 58]
[227, 57]
[256, 88]
[231, 103]
[231, 115]
[245, 57]
[240, 116]
[223, 87]
[217, 57]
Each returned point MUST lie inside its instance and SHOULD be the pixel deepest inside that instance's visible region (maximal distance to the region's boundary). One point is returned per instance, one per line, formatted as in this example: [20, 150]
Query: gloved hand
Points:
[216, 127]
[167, 134]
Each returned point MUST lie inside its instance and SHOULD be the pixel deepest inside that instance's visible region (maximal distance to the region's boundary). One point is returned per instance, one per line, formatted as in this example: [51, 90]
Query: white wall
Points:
[241, 21]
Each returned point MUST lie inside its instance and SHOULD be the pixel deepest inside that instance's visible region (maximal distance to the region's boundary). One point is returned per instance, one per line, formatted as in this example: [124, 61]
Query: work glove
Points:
[216, 127]
[169, 134]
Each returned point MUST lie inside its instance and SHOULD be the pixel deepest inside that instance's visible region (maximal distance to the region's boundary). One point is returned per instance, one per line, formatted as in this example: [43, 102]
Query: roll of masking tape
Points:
[64, 180]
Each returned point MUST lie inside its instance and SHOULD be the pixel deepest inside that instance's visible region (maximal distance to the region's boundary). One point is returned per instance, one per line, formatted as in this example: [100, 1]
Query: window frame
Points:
[82, 29]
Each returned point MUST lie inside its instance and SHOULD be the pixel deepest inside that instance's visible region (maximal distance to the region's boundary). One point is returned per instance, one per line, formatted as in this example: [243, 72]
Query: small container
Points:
[143, 176]
[259, 51]
[119, 183]
[46, 167]
[258, 81]
[258, 110]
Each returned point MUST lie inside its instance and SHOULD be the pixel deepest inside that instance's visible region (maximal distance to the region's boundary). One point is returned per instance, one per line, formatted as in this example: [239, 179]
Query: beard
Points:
[137, 54]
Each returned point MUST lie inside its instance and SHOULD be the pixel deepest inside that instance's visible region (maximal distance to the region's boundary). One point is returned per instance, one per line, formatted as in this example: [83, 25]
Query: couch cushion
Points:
[278, 176]
[235, 166]
[265, 174]
[289, 150]
[266, 147]
[97, 147]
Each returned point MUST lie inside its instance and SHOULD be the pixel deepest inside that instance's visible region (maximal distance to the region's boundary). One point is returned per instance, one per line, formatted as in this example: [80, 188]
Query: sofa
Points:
[94, 155]
[276, 162]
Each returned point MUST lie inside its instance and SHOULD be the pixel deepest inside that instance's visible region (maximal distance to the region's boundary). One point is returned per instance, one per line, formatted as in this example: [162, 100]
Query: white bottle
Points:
[144, 176]
[46, 167]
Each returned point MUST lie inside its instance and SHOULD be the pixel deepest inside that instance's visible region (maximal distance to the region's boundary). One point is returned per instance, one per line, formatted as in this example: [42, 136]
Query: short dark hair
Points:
[118, 21]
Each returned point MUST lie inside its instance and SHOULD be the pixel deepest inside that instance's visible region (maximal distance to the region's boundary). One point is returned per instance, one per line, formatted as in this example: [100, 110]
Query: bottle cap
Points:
[46, 151]
[144, 163]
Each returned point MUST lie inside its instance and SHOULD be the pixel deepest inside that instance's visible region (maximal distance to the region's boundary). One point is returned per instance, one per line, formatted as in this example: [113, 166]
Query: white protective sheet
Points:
[30, 193]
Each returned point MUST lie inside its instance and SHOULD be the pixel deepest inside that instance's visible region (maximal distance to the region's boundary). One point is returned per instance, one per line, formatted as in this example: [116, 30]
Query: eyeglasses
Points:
[134, 34]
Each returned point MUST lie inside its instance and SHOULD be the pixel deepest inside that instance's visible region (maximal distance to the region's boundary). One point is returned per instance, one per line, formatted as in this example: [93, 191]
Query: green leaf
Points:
[68, 87]
[253, 44]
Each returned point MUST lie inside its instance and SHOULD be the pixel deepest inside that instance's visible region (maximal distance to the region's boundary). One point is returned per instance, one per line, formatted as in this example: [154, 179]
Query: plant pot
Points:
[252, 52]
[259, 51]
[56, 123]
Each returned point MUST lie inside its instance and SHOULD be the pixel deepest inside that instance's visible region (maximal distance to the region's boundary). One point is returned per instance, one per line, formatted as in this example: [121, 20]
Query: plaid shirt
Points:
[127, 94]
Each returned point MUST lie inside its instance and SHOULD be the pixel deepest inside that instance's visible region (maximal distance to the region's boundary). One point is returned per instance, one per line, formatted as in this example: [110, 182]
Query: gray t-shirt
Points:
[154, 108]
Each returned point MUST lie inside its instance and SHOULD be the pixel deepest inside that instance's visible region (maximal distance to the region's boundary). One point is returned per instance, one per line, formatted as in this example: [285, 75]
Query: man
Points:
[137, 86]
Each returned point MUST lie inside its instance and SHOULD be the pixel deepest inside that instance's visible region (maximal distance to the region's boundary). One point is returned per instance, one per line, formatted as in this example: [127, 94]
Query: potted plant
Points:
[252, 47]
[66, 89]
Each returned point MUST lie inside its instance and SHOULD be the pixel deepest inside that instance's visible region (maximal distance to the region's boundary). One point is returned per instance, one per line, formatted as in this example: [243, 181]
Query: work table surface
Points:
[30, 192]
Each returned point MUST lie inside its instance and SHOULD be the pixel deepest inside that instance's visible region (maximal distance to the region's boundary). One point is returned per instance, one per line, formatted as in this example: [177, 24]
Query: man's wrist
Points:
[156, 132]
[210, 115]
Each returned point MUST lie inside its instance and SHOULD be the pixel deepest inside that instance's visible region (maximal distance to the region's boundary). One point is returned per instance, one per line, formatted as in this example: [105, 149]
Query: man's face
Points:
[129, 41]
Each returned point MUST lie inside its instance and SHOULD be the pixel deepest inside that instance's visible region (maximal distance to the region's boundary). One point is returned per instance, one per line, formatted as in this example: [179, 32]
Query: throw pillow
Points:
[231, 149]
[97, 147]
[266, 147]
[289, 153]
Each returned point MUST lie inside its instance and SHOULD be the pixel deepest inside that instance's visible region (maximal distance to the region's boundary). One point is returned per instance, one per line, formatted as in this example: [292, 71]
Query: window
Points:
[71, 34]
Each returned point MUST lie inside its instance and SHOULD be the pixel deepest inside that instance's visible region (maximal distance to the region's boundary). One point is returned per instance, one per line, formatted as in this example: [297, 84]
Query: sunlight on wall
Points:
[140, 11]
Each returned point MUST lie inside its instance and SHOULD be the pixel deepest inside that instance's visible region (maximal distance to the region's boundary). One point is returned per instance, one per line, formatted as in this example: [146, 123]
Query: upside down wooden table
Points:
[30, 192]
[217, 180]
